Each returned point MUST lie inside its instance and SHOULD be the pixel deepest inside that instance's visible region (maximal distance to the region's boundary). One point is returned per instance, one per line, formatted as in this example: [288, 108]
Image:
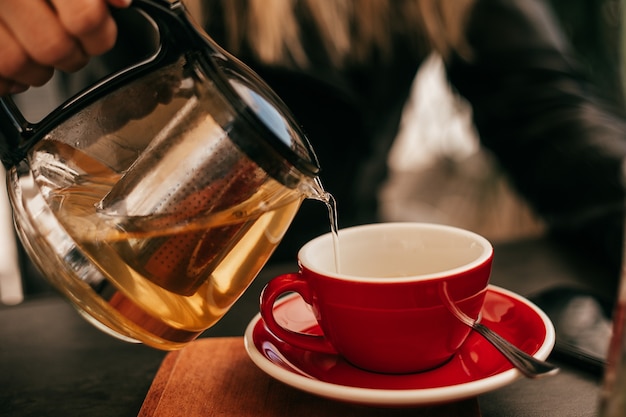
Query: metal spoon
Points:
[528, 365]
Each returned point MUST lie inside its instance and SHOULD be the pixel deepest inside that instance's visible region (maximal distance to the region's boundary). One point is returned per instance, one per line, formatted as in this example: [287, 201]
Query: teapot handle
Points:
[177, 35]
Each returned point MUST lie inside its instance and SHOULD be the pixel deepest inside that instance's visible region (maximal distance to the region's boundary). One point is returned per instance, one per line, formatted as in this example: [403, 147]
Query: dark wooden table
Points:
[53, 363]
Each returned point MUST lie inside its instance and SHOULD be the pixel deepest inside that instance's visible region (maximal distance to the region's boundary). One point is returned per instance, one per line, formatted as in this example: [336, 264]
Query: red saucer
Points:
[477, 367]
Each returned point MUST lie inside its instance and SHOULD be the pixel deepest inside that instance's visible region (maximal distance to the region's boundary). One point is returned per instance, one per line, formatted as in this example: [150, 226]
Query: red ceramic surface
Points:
[476, 368]
[385, 311]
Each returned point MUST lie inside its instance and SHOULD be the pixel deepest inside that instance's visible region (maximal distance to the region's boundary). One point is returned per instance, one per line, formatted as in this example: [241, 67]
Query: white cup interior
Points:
[397, 251]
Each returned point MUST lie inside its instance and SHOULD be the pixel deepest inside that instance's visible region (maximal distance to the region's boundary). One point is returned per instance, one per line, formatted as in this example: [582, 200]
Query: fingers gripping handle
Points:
[278, 286]
[176, 34]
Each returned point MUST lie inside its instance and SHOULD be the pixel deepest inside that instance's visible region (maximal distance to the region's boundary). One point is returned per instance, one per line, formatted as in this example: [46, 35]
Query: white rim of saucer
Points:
[401, 397]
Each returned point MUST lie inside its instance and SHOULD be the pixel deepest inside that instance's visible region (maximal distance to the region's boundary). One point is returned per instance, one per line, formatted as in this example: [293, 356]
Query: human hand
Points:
[38, 36]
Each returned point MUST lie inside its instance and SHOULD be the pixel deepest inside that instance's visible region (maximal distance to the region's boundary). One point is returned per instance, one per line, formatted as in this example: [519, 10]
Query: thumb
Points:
[120, 3]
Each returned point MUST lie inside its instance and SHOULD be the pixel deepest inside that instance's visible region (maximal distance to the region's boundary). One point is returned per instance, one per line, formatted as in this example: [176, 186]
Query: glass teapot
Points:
[153, 198]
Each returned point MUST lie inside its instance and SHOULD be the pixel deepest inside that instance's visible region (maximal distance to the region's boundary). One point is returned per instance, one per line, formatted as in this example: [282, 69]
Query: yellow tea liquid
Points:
[157, 280]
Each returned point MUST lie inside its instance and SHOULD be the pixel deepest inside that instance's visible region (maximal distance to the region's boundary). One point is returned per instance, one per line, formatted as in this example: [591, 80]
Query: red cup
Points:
[385, 310]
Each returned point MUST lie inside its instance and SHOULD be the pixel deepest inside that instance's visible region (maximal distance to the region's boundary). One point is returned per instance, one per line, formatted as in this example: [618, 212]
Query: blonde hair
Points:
[351, 30]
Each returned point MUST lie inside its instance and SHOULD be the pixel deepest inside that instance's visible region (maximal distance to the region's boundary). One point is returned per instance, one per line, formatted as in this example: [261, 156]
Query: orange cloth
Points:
[215, 377]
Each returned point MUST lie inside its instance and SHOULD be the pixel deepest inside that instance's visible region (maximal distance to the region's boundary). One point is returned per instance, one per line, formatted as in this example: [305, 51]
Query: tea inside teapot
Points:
[154, 198]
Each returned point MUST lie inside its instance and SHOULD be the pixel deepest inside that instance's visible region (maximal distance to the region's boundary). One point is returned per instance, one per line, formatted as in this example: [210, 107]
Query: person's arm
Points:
[38, 36]
[561, 146]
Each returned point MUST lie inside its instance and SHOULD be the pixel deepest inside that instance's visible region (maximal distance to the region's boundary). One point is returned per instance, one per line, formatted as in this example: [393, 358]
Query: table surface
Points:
[53, 363]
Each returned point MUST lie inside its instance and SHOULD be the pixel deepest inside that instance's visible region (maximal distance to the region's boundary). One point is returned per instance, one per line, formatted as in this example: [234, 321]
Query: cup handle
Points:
[292, 282]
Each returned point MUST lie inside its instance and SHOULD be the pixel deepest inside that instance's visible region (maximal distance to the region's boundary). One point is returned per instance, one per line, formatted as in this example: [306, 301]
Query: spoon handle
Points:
[528, 365]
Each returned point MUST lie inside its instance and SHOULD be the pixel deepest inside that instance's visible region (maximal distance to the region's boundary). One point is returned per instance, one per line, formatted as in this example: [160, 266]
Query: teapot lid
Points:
[265, 129]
